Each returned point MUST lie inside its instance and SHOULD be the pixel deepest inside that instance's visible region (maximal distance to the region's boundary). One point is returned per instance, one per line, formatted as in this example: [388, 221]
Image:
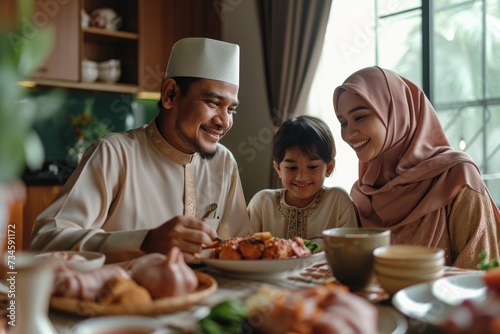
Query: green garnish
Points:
[312, 246]
[487, 265]
[226, 317]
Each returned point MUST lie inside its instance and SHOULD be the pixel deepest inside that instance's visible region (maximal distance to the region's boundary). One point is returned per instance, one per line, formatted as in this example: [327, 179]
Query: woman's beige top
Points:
[472, 228]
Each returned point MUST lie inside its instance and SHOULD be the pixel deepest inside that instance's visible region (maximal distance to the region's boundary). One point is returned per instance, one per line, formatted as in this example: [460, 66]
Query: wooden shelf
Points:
[95, 86]
[110, 33]
[149, 30]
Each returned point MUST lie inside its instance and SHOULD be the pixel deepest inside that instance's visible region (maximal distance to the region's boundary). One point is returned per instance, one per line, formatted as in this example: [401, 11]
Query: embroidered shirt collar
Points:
[280, 195]
[164, 147]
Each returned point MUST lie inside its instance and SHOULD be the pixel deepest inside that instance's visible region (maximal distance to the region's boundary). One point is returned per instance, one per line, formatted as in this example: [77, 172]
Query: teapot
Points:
[105, 18]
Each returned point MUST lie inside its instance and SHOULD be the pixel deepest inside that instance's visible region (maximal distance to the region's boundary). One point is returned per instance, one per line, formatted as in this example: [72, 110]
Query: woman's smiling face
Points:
[360, 126]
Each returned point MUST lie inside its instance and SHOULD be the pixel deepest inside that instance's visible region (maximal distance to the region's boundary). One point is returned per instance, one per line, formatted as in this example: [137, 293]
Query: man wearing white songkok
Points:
[168, 183]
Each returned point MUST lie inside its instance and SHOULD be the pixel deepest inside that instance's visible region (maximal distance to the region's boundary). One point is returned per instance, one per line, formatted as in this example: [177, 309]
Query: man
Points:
[169, 183]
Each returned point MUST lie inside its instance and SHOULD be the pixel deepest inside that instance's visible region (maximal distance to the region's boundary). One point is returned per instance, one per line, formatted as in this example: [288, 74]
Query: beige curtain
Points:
[293, 33]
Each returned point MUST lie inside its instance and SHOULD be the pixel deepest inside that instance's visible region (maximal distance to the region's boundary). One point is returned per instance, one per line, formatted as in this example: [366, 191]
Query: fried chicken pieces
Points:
[260, 246]
[322, 309]
[150, 277]
[123, 291]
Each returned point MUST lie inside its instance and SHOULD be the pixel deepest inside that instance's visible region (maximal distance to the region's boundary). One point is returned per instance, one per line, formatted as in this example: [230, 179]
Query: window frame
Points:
[485, 103]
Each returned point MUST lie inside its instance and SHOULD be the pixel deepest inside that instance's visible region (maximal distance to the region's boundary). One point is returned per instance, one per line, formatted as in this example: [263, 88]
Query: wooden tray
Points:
[206, 286]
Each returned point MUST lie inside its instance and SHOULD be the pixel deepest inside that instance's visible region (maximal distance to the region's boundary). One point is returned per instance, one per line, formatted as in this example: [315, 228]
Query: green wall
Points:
[115, 112]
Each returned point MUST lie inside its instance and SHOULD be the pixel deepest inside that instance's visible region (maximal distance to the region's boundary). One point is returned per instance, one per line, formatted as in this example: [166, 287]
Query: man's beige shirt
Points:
[129, 183]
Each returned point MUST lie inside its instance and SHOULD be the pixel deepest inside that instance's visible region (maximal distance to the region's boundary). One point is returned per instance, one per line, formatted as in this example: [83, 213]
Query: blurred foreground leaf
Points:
[22, 50]
[485, 264]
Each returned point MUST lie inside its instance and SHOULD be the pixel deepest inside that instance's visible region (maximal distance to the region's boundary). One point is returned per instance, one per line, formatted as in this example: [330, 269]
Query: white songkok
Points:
[205, 58]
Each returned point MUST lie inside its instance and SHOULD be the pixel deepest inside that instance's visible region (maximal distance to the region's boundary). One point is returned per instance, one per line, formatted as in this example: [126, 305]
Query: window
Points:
[450, 48]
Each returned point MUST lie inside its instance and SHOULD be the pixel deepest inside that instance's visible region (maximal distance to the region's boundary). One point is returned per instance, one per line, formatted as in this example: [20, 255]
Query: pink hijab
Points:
[417, 173]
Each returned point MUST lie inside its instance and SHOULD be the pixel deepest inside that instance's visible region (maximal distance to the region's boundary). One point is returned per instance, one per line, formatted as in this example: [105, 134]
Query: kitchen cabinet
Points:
[37, 199]
[14, 228]
[11, 236]
[63, 61]
[150, 29]
[22, 214]
[161, 24]
[142, 43]
[98, 44]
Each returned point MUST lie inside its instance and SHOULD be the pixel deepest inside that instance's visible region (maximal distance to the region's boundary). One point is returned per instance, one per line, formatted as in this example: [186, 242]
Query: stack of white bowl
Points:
[110, 70]
[90, 71]
[399, 266]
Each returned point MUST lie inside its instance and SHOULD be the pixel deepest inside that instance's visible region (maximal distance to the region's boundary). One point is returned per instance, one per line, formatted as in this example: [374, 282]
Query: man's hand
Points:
[186, 233]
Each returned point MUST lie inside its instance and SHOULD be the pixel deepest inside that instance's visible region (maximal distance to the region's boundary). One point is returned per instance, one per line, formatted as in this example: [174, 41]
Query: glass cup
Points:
[349, 253]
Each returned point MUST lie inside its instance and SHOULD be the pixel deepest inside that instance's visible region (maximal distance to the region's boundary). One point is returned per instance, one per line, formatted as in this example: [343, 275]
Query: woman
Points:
[411, 180]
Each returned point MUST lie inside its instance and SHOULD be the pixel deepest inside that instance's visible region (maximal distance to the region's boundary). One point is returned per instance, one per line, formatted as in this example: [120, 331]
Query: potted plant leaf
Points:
[20, 146]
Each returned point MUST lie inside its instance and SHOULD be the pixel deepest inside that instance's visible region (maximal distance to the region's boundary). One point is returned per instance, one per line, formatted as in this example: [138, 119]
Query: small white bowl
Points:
[89, 64]
[89, 71]
[408, 255]
[410, 263]
[391, 284]
[406, 271]
[109, 75]
[120, 324]
[110, 64]
[79, 261]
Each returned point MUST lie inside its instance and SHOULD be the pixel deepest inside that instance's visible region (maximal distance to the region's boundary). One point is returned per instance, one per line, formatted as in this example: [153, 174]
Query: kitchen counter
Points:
[42, 186]
[53, 173]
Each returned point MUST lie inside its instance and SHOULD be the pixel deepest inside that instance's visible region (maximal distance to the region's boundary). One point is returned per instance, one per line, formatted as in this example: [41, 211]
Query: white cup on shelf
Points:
[89, 71]
[85, 18]
[110, 70]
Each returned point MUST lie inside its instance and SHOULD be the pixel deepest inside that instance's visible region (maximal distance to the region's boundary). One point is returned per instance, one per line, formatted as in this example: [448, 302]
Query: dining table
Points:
[241, 286]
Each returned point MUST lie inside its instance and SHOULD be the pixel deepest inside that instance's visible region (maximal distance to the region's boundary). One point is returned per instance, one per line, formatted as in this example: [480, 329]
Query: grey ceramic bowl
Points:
[349, 252]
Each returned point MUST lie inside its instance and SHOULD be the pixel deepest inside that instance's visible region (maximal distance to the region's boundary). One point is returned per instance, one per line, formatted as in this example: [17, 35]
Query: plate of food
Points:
[206, 286]
[453, 290]
[284, 309]
[261, 254]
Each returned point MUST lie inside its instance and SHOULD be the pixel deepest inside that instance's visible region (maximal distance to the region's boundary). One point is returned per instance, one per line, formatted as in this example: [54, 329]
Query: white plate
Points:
[261, 268]
[390, 321]
[119, 324]
[77, 260]
[454, 290]
[418, 302]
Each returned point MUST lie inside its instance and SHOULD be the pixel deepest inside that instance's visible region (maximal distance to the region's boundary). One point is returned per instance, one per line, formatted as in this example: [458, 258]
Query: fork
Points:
[216, 243]
[222, 240]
